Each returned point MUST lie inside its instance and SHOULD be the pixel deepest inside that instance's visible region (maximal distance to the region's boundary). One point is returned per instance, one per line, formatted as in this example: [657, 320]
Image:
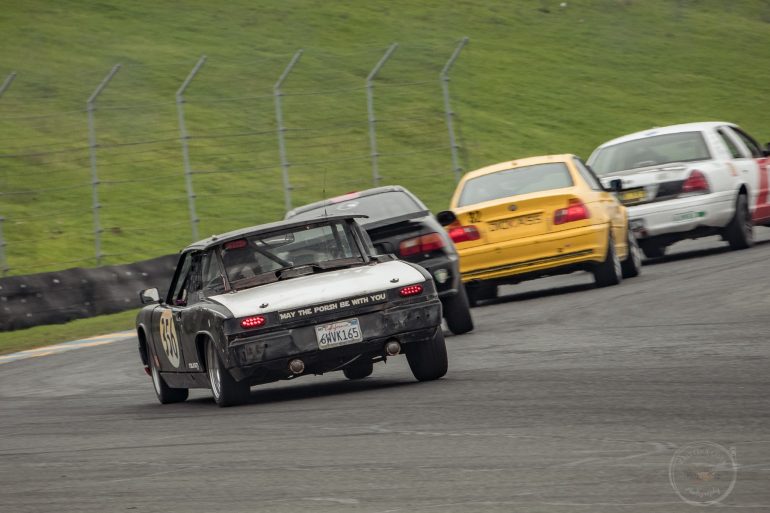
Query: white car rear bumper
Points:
[682, 214]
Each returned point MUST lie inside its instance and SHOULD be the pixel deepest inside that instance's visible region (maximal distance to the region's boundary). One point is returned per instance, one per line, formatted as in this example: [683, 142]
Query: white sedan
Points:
[688, 181]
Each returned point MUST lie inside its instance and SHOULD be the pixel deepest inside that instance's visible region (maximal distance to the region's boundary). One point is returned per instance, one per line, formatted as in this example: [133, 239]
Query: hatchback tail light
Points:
[422, 244]
[696, 183]
[576, 211]
[410, 290]
[464, 233]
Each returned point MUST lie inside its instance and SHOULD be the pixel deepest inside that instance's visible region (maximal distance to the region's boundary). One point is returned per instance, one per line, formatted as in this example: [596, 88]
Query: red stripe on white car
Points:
[762, 210]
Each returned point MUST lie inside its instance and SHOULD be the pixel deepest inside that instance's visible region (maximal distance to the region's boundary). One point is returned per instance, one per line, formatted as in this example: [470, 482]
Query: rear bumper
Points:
[569, 249]
[682, 215]
[265, 358]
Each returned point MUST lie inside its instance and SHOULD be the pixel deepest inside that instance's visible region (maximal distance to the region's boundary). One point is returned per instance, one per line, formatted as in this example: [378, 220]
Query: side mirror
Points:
[616, 185]
[446, 217]
[766, 150]
[149, 296]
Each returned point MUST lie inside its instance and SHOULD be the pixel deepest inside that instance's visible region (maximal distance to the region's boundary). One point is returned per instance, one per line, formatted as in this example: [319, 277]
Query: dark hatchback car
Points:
[399, 223]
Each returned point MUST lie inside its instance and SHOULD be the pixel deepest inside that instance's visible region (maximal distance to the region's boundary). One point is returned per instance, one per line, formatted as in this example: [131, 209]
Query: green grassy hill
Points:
[535, 78]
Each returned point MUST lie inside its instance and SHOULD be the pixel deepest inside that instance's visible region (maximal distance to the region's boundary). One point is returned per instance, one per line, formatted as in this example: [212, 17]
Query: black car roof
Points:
[215, 240]
[359, 194]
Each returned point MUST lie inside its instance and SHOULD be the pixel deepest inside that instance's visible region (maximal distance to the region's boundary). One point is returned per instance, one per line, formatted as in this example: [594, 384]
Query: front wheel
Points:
[428, 360]
[632, 265]
[610, 271]
[740, 232]
[457, 312]
[224, 388]
[165, 394]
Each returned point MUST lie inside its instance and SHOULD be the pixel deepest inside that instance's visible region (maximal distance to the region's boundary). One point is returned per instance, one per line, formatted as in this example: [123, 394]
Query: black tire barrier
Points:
[61, 296]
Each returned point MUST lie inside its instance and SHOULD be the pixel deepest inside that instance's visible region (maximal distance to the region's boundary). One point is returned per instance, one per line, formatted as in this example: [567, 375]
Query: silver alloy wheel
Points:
[155, 377]
[213, 370]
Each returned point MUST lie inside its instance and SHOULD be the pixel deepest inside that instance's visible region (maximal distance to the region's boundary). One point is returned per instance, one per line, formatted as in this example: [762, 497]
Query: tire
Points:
[610, 271]
[358, 370]
[740, 232]
[164, 393]
[428, 360]
[632, 265]
[653, 250]
[457, 312]
[480, 292]
[224, 388]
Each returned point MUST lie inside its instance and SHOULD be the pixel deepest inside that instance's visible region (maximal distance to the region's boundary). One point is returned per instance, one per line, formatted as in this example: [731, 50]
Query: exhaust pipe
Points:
[392, 348]
[296, 366]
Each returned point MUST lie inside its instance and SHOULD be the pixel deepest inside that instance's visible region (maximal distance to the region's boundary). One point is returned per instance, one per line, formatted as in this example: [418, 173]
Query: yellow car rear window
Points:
[512, 182]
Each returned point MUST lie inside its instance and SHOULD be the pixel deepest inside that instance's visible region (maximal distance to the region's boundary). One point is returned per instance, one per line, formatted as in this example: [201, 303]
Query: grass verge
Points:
[19, 340]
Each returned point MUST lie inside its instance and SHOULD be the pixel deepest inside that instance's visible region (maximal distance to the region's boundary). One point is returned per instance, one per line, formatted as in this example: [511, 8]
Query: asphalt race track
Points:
[565, 398]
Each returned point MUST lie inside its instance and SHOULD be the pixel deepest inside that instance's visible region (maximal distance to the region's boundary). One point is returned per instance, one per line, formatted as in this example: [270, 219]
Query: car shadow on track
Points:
[540, 293]
[696, 253]
[285, 391]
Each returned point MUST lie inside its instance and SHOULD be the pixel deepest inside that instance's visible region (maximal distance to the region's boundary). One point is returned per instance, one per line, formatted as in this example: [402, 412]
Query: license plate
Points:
[513, 222]
[633, 195]
[338, 333]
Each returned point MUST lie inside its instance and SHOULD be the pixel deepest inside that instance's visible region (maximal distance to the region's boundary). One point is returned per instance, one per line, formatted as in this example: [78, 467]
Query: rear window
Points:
[377, 206]
[650, 151]
[512, 182]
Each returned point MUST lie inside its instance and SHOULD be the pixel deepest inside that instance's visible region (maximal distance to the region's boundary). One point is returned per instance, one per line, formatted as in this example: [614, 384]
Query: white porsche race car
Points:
[688, 181]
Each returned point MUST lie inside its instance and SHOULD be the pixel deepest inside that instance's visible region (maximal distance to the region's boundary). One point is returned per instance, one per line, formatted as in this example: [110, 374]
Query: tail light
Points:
[423, 244]
[256, 321]
[696, 183]
[410, 290]
[464, 233]
[575, 211]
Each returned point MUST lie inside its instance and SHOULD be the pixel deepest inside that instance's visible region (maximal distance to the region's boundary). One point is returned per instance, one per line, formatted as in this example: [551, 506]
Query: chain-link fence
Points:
[134, 161]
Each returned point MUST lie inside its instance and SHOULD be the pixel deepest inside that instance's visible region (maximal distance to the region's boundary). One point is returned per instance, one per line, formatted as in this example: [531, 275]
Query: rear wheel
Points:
[428, 360]
[632, 264]
[479, 292]
[165, 394]
[457, 312]
[651, 250]
[358, 370]
[740, 232]
[610, 271]
[224, 388]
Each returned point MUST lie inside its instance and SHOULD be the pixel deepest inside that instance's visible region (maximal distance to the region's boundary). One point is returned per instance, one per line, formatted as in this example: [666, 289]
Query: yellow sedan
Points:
[536, 217]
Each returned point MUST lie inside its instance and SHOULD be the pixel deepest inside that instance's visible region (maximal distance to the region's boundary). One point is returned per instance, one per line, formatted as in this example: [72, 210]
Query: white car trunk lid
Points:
[319, 288]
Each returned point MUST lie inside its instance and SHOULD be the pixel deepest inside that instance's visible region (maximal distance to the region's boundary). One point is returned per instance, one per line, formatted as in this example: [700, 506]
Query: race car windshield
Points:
[384, 205]
[650, 151]
[511, 182]
[256, 259]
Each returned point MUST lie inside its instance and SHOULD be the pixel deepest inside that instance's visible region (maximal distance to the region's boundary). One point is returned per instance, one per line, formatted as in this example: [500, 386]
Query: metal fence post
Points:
[3, 261]
[444, 78]
[370, 111]
[281, 129]
[184, 137]
[7, 82]
[90, 107]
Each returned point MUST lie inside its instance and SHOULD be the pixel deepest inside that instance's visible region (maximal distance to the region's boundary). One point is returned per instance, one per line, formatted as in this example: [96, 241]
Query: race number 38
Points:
[168, 338]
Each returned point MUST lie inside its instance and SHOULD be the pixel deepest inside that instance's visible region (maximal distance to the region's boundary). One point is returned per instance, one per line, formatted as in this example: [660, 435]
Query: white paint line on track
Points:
[99, 340]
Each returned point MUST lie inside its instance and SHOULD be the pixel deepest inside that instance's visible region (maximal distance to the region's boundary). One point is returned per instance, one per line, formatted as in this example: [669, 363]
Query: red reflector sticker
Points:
[236, 244]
